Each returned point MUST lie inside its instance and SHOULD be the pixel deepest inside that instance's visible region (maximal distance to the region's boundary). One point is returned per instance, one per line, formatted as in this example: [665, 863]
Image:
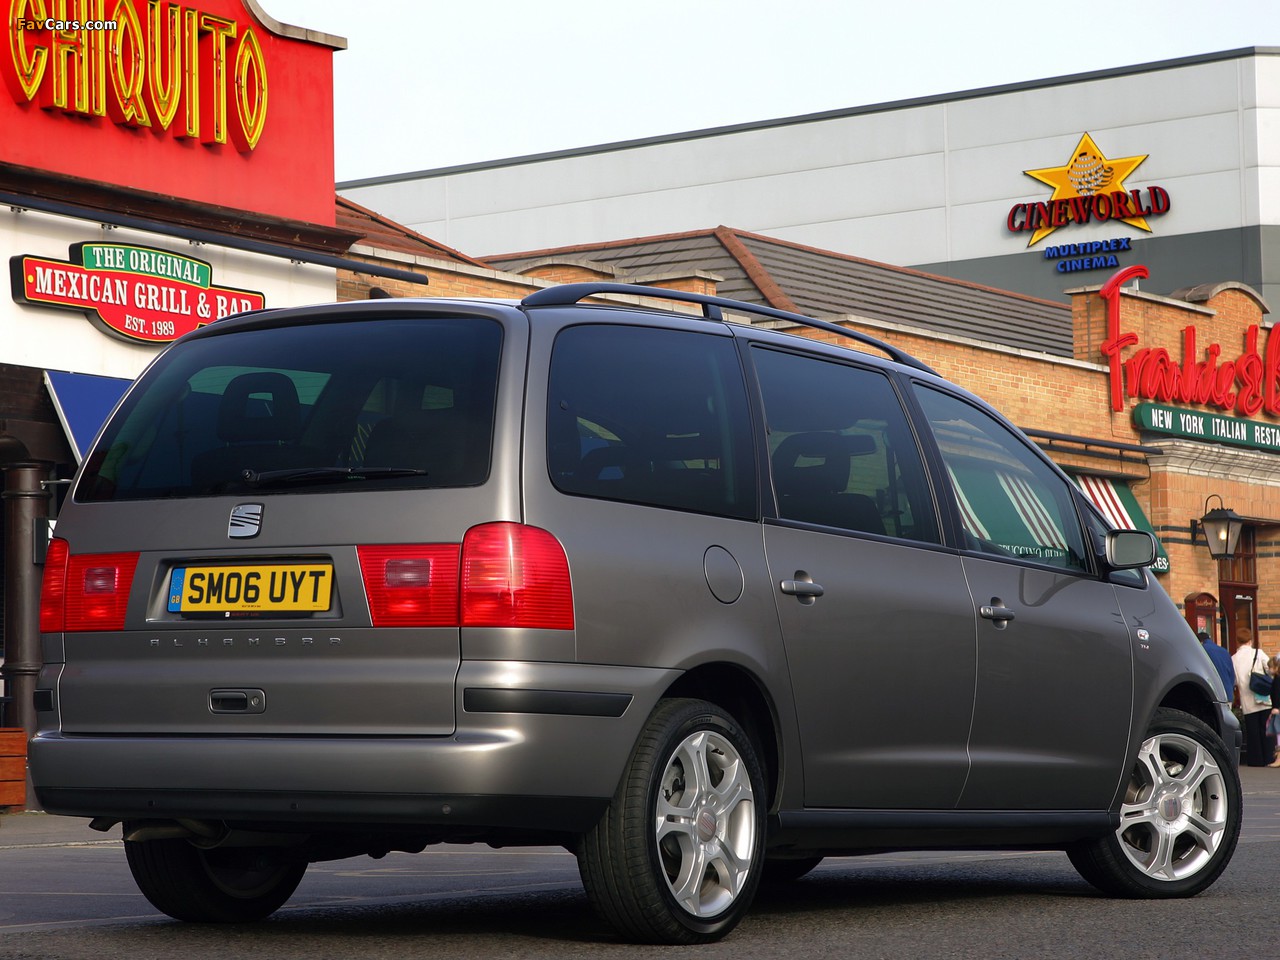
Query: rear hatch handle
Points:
[237, 700]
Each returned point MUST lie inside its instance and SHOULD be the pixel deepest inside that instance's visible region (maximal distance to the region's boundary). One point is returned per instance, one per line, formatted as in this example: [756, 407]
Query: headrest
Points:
[259, 406]
[825, 468]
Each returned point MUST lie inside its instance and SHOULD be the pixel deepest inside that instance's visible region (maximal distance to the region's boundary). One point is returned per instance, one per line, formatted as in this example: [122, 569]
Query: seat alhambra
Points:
[701, 600]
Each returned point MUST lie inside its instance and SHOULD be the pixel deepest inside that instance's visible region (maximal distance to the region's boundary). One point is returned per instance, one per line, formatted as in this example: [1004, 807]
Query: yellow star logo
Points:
[1086, 174]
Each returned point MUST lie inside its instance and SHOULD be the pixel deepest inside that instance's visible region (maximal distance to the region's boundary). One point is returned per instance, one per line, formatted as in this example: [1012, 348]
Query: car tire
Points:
[1179, 816]
[226, 885]
[677, 857]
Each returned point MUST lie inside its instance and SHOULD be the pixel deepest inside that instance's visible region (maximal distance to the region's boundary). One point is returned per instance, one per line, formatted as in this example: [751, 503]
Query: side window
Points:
[1010, 502]
[841, 452]
[650, 416]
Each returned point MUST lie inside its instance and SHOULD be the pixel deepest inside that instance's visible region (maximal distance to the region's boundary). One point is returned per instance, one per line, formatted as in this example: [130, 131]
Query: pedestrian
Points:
[1273, 719]
[1221, 659]
[1250, 658]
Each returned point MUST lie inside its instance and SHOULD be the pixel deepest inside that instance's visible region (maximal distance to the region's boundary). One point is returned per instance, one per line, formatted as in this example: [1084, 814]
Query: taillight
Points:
[84, 592]
[411, 585]
[53, 588]
[515, 576]
[503, 575]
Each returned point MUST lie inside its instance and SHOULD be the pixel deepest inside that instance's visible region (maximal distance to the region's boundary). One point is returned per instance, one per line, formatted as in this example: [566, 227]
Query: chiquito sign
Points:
[164, 66]
[210, 101]
[1247, 384]
[134, 293]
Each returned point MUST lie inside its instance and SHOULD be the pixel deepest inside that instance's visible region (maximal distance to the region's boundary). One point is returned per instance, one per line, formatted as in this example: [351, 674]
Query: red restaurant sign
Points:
[1248, 384]
[135, 293]
[211, 101]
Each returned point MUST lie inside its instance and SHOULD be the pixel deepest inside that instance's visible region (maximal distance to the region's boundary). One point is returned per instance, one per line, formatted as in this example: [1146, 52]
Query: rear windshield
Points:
[386, 403]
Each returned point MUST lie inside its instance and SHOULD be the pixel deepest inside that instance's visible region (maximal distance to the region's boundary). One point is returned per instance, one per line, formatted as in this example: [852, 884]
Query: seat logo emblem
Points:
[246, 521]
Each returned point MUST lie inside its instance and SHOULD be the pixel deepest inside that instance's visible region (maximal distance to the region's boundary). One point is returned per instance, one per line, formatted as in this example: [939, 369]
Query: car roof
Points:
[568, 295]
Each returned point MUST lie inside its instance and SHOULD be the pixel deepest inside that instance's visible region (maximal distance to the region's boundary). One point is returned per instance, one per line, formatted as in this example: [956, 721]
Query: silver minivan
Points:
[701, 601]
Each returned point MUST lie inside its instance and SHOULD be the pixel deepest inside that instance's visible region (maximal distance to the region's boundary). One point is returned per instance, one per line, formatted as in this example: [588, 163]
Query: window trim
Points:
[771, 513]
[750, 508]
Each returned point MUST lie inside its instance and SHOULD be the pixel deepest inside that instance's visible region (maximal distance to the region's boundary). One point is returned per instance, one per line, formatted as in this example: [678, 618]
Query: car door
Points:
[1054, 663]
[875, 615]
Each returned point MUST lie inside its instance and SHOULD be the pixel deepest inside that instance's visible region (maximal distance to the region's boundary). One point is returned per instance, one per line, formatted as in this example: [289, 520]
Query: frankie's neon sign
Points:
[1248, 384]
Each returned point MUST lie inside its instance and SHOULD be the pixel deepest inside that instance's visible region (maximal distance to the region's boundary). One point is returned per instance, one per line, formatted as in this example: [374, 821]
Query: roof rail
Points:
[567, 294]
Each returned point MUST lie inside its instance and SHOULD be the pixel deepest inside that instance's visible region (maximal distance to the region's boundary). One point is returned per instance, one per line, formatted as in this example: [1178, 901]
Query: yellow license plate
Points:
[261, 588]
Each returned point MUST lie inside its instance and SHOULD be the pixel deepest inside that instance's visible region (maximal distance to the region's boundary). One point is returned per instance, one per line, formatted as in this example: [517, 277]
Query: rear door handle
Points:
[802, 587]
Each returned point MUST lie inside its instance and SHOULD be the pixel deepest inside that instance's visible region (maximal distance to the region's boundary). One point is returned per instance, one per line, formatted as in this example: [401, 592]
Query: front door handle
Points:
[996, 611]
[802, 587]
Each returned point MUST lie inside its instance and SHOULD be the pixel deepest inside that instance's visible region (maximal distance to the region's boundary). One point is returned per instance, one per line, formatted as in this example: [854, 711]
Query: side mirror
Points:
[1127, 549]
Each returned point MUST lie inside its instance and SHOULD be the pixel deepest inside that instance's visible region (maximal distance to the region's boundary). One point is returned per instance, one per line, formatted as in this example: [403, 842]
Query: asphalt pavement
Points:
[66, 893]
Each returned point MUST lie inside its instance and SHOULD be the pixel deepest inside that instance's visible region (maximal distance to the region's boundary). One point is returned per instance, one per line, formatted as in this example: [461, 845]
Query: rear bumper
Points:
[508, 770]
[447, 815]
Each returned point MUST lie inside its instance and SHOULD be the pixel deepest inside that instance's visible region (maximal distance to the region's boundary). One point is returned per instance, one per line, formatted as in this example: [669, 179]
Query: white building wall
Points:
[914, 183]
[1262, 156]
[60, 339]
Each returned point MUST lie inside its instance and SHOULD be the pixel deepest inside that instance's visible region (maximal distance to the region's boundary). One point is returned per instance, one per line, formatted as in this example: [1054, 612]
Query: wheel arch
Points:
[1191, 698]
[740, 693]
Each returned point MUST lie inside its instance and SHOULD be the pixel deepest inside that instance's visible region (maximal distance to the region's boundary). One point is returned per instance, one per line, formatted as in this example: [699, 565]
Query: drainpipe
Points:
[12, 450]
[26, 505]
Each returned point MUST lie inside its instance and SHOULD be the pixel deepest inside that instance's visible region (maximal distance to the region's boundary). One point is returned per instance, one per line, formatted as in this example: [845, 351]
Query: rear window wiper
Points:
[303, 475]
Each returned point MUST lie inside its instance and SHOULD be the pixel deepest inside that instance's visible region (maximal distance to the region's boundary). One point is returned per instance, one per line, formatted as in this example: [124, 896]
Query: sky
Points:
[425, 84]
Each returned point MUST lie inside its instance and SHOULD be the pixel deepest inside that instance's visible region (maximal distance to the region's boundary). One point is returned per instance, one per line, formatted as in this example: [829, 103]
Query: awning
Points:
[1009, 513]
[1120, 507]
[83, 401]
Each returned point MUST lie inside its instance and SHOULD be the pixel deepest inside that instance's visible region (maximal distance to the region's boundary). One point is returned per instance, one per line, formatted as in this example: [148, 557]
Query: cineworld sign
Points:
[135, 293]
[1089, 187]
[1132, 206]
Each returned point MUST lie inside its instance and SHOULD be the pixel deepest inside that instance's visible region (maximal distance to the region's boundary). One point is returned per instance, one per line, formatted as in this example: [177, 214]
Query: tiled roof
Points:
[821, 283]
[379, 231]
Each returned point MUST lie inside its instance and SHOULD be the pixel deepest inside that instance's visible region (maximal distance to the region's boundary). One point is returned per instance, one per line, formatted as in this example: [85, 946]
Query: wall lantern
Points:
[1221, 528]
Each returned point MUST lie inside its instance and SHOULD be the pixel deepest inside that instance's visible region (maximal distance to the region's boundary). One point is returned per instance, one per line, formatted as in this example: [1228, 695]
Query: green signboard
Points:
[1209, 427]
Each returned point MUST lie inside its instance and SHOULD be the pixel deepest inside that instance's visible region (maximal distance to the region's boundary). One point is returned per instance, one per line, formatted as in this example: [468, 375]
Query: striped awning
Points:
[1120, 507]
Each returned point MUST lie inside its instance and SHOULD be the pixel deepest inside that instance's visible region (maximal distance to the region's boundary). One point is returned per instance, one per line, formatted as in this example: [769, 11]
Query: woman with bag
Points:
[1250, 659]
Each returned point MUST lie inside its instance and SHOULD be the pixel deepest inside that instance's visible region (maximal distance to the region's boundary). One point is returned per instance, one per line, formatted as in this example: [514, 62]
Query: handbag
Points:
[1259, 683]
